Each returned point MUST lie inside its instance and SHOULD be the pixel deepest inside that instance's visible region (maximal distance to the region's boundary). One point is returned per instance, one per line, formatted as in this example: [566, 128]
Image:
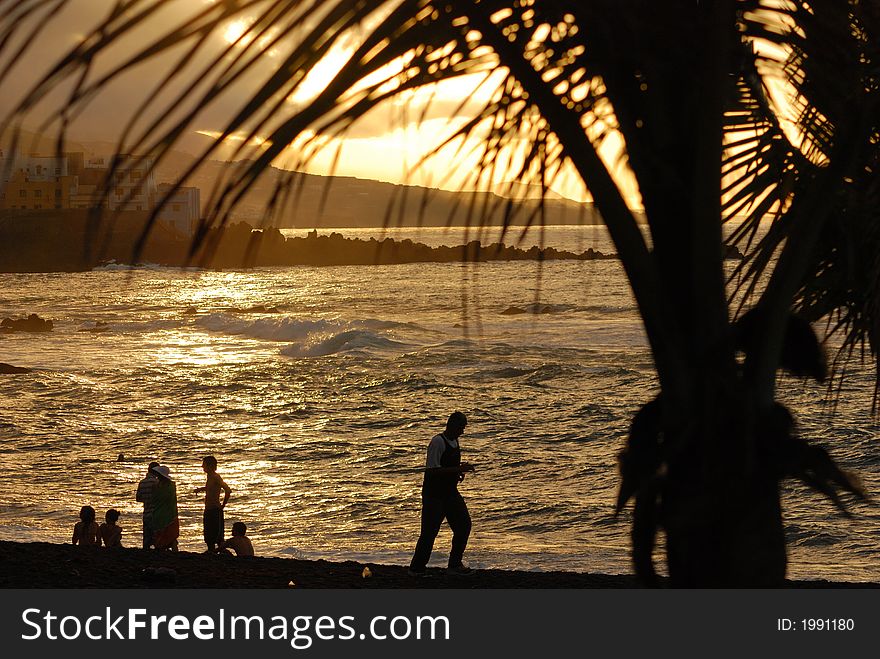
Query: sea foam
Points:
[343, 342]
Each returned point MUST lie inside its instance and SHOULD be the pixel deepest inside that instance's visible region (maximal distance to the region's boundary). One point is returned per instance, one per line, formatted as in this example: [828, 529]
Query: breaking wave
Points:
[290, 329]
[343, 342]
[538, 308]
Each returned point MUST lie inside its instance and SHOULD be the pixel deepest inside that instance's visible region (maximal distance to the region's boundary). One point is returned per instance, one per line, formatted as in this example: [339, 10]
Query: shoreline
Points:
[30, 243]
[48, 565]
[35, 243]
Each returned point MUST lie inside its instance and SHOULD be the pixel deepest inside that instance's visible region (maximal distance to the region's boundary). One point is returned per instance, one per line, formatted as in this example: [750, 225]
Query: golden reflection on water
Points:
[323, 452]
[181, 347]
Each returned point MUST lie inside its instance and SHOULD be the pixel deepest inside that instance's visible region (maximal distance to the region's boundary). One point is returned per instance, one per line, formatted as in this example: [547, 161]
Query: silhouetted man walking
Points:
[441, 500]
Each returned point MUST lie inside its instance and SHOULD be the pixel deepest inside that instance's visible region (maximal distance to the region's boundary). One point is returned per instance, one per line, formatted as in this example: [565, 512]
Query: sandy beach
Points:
[45, 565]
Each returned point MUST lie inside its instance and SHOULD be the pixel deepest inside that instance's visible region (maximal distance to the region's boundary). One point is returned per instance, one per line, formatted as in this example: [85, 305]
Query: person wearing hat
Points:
[144, 494]
[166, 525]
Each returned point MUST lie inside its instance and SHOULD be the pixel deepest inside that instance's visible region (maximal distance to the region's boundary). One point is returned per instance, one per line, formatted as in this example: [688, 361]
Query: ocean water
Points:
[319, 388]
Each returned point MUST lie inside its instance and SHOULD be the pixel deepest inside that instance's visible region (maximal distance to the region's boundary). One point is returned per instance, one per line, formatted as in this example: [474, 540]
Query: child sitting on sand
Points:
[239, 542]
[85, 532]
[110, 533]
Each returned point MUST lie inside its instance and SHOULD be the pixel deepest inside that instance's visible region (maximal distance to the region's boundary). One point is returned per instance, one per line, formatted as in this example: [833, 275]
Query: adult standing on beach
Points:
[144, 494]
[441, 500]
[213, 517]
[166, 525]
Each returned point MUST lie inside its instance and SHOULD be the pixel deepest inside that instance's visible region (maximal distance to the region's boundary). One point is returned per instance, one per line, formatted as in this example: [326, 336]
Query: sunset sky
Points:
[384, 145]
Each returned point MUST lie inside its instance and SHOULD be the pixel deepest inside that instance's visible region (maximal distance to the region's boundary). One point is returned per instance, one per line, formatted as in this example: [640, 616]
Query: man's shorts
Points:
[213, 522]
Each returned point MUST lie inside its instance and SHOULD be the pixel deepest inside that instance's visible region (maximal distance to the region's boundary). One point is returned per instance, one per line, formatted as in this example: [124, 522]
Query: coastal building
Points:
[24, 193]
[90, 191]
[74, 181]
[182, 207]
[43, 168]
[86, 197]
[37, 182]
[134, 184]
[7, 161]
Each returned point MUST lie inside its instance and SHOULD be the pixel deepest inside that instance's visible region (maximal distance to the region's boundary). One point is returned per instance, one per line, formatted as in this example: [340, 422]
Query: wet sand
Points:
[45, 565]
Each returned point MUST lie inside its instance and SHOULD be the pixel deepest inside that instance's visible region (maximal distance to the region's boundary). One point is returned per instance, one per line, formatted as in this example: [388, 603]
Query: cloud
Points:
[109, 111]
[379, 145]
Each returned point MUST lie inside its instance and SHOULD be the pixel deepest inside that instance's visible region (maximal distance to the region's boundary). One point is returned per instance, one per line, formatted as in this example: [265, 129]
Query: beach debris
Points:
[367, 573]
[9, 369]
[291, 584]
[33, 323]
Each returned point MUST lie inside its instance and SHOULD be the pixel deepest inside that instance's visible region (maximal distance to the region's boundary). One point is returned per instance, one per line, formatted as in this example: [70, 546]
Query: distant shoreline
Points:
[47, 565]
[34, 242]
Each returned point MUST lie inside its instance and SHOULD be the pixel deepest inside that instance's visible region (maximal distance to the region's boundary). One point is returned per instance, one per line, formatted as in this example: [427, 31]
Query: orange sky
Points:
[384, 145]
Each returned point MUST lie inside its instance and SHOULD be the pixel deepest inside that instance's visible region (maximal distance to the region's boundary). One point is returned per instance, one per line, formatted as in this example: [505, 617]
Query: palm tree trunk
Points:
[722, 517]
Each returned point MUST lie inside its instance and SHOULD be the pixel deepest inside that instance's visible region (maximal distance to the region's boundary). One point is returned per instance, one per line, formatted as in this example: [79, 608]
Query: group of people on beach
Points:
[87, 532]
[157, 491]
[441, 500]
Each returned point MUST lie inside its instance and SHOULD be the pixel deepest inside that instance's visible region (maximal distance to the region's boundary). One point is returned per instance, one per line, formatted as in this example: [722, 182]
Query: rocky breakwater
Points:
[241, 244]
[63, 243]
[32, 323]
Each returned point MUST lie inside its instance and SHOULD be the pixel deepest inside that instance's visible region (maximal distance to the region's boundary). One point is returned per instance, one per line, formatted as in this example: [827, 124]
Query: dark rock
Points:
[9, 369]
[33, 323]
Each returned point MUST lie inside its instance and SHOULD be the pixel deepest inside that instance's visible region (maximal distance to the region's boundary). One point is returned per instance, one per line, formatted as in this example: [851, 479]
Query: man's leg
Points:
[460, 522]
[432, 518]
[148, 535]
[210, 523]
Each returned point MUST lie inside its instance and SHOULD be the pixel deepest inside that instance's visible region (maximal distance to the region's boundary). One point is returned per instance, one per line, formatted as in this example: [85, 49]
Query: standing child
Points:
[213, 517]
[110, 532]
[85, 532]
